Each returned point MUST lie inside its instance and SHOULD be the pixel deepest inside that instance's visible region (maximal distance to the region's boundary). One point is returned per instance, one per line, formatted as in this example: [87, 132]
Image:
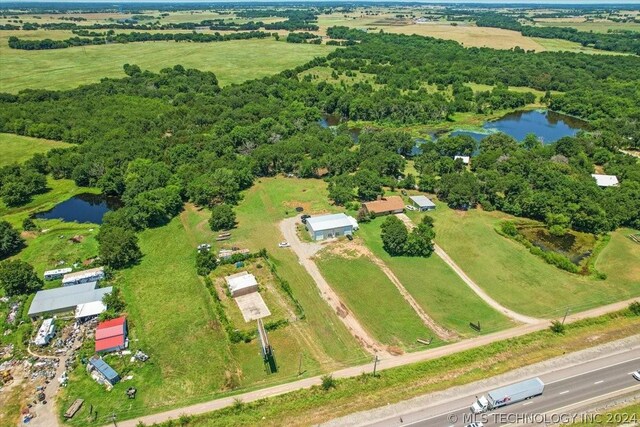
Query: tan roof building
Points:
[385, 206]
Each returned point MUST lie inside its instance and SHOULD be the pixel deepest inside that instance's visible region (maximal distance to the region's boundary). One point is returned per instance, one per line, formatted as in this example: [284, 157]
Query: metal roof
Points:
[104, 369]
[111, 328]
[66, 298]
[605, 180]
[240, 280]
[92, 273]
[88, 309]
[329, 222]
[386, 204]
[422, 201]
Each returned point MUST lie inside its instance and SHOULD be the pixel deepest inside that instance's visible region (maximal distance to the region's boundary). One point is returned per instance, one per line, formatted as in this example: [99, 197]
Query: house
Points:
[384, 206]
[605, 180]
[91, 275]
[329, 226]
[89, 310]
[60, 300]
[56, 274]
[423, 203]
[45, 333]
[111, 335]
[465, 159]
[241, 283]
[102, 372]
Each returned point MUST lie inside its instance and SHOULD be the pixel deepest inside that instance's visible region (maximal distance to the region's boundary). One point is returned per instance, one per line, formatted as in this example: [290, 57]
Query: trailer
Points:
[508, 395]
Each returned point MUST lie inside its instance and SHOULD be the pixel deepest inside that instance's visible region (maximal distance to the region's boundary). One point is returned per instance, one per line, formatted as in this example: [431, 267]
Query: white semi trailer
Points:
[507, 395]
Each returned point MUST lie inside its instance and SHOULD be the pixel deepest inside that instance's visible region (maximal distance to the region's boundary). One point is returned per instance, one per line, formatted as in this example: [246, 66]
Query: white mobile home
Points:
[85, 276]
[45, 333]
[56, 274]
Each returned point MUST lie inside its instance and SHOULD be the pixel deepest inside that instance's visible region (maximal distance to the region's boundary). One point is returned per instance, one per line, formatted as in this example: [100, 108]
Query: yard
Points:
[524, 282]
[438, 290]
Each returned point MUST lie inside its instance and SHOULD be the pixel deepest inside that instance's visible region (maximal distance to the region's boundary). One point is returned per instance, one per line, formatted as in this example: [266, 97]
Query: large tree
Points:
[118, 246]
[10, 240]
[18, 277]
[222, 217]
[394, 235]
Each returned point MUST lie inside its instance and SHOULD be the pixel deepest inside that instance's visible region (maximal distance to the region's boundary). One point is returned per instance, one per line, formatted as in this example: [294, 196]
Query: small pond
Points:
[84, 207]
[549, 126]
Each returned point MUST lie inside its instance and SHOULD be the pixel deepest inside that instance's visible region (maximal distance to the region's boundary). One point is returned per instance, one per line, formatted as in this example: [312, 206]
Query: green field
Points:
[592, 26]
[438, 290]
[374, 300]
[232, 62]
[17, 149]
[524, 282]
[559, 45]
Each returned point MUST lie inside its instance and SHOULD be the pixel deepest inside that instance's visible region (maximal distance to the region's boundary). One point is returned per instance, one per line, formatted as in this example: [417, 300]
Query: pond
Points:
[332, 121]
[84, 207]
[549, 126]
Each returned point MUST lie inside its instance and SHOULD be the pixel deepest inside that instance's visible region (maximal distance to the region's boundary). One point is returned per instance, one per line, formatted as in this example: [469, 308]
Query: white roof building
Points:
[241, 283]
[90, 309]
[423, 202]
[91, 275]
[465, 159]
[605, 180]
[66, 298]
[57, 273]
[327, 226]
[45, 333]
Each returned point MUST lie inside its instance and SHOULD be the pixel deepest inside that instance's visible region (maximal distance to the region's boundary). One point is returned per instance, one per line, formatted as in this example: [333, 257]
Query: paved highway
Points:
[566, 390]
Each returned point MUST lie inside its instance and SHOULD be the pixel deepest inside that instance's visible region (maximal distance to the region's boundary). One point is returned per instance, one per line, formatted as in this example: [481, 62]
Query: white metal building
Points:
[66, 298]
[465, 159]
[329, 226]
[241, 283]
[423, 203]
[56, 274]
[89, 309]
[91, 275]
[605, 180]
[45, 333]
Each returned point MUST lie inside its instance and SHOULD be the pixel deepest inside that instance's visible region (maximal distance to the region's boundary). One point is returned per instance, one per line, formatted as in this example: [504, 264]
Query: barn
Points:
[329, 226]
[111, 335]
[423, 203]
[60, 300]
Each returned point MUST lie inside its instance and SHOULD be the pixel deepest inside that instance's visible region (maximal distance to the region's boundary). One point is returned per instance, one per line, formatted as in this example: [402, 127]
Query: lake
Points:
[549, 126]
[84, 207]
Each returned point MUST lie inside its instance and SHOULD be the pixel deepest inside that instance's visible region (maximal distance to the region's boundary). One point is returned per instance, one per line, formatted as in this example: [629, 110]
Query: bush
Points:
[328, 382]
[10, 240]
[634, 307]
[509, 228]
[557, 327]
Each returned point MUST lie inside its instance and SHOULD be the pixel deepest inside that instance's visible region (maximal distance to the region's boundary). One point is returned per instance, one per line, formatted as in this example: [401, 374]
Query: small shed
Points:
[242, 283]
[465, 159]
[56, 274]
[329, 226]
[423, 203]
[105, 372]
[45, 333]
[605, 180]
[111, 335]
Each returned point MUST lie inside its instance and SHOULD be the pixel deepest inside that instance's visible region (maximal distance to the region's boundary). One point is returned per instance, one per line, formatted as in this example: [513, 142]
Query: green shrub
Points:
[557, 327]
[328, 382]
[634, 307]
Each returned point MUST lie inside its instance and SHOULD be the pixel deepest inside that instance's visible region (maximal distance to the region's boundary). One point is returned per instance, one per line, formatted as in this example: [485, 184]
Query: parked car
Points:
[283, 245]
[636, 375]
[410, 208]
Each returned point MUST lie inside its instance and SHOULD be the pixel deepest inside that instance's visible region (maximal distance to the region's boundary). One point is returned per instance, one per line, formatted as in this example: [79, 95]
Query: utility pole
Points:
[113, 418]
[565, 315]
[300, 365]
[375, 365]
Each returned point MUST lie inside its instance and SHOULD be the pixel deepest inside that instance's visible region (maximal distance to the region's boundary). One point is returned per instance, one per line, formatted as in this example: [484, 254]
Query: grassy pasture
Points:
[374, 300]
[438, 290]
[599, 26]
[557, 45]
[233, 61]
[524, 282]
[17, 149]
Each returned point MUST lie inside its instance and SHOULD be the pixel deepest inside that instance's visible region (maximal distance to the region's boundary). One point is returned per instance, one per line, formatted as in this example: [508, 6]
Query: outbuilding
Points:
[56, 274]
[105, 373]
[241, 283]
[605, 180]
[465, 159]
[60, 300]
[85, 276]
[89, 310]
[423, 203]
[384, 206]
[329, 226]
[111, 335]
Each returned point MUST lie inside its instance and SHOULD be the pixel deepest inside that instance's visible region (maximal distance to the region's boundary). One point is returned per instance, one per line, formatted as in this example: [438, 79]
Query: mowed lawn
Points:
[436, 287]
[17, 149]
[374, 300]
[524, 282]
[232, 62]
[263, 206]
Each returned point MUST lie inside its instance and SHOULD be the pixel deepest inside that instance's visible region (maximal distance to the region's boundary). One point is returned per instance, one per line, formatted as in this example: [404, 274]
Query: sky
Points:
[550, 2]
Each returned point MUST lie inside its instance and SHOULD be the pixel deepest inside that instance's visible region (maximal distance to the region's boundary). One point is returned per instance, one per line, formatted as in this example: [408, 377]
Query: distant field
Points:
[438, 290]
[232, 62]
[595, 26]
[17, 149]
[568, 46]
[524, 282]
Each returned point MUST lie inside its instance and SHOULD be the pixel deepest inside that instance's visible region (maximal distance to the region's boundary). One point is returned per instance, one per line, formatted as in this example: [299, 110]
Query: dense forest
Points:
[620, 41]
[158, 139]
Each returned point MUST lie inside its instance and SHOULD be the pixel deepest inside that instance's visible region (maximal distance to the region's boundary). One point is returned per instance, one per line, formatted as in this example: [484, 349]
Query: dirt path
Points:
[384, 363]
[474, 287]
[305, 251]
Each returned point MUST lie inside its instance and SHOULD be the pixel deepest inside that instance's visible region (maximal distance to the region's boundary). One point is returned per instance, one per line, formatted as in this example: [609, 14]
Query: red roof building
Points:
[111, 335]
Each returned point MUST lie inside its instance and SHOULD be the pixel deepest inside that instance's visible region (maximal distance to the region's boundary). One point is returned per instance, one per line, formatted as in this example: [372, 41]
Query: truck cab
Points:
[480, 405]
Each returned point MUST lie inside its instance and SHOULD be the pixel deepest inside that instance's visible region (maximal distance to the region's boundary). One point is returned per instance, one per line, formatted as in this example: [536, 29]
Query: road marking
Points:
[527, 403]
[592, 370]
[564, 392]
[599, 382]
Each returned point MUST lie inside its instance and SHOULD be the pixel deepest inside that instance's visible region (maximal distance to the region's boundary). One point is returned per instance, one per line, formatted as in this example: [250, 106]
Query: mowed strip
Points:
[374, 300]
